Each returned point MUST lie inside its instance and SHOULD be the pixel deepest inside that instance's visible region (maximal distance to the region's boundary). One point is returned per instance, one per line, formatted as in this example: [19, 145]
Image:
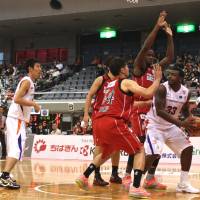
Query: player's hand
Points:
[157, 71]
[161, 20]
[189, 123]
[86, 120]
[36, 107]
[167, 29]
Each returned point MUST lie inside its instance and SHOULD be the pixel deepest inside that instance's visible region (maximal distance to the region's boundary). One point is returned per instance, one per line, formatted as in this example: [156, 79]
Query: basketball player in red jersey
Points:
[97, 90]
[111, 129]
[143, 75]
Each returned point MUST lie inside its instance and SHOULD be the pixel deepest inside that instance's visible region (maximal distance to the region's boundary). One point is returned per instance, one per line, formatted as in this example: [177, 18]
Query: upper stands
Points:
[74, 87]
[70, 83]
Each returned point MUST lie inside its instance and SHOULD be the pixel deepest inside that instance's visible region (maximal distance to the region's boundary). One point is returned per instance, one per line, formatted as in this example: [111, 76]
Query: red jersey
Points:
[116, 103]
[100, 94]
[146, 80]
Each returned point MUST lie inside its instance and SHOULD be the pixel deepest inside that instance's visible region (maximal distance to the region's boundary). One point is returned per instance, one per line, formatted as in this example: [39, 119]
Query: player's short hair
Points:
[108, 60]
[30, 63]
[116, 64]
[178, 68]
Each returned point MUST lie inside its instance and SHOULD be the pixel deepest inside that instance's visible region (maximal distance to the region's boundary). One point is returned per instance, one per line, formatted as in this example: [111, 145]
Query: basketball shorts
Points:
[16, 136]
[173, 137]
[114, 135]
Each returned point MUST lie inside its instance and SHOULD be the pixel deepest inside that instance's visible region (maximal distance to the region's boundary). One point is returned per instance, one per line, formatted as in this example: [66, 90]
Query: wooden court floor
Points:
[54, 179]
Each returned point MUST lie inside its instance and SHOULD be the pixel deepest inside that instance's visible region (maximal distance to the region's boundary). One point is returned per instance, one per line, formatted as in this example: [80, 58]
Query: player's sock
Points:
[89, 170]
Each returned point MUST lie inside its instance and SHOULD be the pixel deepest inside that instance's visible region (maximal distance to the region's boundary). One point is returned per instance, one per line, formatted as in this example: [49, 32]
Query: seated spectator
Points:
[40, 130]
[77, 129]
[28, 129]
[89, 128]
[59, 66]
[77, 65]
[55, 130]
[45, 128]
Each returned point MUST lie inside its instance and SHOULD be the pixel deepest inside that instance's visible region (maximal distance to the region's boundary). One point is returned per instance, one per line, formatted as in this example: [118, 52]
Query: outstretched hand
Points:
[161, 20]
[167, 29]
[157, 71]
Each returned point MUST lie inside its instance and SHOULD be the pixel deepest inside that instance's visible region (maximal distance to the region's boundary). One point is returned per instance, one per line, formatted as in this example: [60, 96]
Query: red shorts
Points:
[138, 124]
[114, 135]
[93, 132]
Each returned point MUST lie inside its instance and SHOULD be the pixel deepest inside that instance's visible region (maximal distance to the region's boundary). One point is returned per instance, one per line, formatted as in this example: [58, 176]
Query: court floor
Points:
[54, 179]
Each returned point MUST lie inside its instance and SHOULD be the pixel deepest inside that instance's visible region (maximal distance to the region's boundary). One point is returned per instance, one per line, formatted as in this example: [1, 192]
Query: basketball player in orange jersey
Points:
[18, 114]
[97, 90]
[111, 127]
[143, 75]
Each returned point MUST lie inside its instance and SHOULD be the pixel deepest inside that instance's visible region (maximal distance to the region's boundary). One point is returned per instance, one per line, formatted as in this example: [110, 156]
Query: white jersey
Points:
[174, 104]
[22, 112]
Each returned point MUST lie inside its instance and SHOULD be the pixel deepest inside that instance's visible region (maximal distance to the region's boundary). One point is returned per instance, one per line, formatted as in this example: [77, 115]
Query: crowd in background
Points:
[54, 73]
[57, 72]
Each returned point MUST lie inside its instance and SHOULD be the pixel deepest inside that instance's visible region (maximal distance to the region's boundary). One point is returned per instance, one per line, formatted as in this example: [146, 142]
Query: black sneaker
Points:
[98, 181]
[3, 157]
[9, 183]
[115, 179]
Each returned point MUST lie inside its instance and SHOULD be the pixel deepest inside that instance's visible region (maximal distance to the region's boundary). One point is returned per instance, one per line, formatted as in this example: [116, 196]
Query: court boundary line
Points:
[37, 188]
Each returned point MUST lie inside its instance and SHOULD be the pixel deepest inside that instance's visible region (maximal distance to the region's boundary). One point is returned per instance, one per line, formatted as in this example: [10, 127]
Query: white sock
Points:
[184, 177]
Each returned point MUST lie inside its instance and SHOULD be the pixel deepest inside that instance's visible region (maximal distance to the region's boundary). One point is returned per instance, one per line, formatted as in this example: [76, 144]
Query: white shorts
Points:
[16, 136]
[173, 137]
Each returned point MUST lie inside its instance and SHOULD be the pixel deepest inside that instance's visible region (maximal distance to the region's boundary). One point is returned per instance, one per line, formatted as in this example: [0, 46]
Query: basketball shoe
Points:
[126, 182]
[82, 182]
[138, 193]
[154, 184]
[98, 181]
[187, 187]
[9, 183]
[115, 179]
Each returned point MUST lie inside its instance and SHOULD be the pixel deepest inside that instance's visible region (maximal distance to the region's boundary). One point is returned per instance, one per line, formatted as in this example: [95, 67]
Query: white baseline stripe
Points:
[37, 188]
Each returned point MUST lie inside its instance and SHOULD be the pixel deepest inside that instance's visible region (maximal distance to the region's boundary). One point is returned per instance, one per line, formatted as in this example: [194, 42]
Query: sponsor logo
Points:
[150, 77]
[39, 146]
[84, 150]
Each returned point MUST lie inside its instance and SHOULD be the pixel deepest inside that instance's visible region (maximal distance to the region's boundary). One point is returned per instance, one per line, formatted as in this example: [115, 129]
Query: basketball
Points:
[195, 132]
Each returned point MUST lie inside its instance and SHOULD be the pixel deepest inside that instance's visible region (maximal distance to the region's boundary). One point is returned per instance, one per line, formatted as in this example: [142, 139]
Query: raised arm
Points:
[139, 60]
[93, 90]
[170, 47]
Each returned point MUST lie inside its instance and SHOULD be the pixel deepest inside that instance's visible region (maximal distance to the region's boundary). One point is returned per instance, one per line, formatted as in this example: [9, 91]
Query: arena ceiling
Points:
[36, 18]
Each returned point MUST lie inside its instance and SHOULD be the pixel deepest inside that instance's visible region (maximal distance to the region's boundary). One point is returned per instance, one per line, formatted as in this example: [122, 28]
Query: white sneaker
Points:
[186, 187]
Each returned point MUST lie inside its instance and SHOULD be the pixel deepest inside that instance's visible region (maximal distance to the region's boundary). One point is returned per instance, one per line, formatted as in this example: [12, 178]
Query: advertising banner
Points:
[81, 148]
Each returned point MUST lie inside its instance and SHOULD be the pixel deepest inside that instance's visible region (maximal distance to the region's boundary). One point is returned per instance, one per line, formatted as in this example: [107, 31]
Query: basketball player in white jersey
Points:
[164, 126]
[18, 115]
